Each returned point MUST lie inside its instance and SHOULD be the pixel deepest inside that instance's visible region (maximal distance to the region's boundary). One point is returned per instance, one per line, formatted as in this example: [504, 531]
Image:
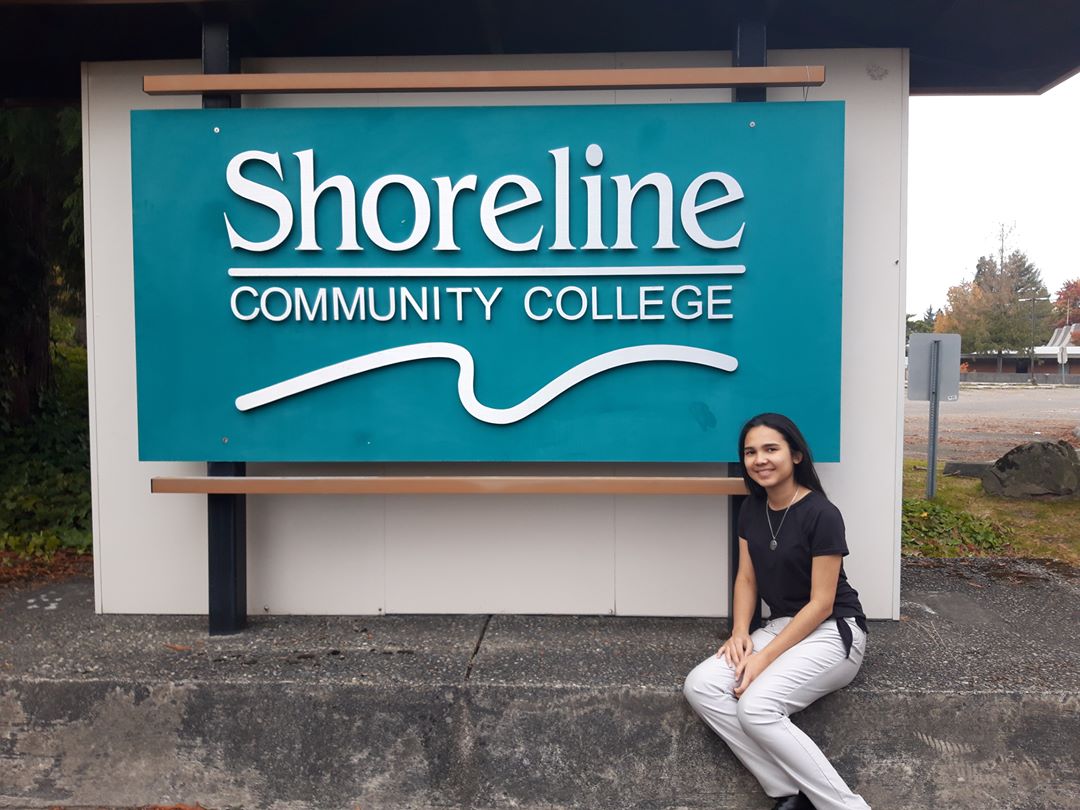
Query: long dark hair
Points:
[805, 474]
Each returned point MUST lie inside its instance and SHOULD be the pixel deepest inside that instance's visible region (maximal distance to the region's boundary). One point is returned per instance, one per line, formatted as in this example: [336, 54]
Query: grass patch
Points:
[962, 520]
[45, 475]
[932, 529]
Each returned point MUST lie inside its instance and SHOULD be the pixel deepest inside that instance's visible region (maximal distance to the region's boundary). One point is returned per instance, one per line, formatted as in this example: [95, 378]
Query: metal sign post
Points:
[931, 451]
[933, 373]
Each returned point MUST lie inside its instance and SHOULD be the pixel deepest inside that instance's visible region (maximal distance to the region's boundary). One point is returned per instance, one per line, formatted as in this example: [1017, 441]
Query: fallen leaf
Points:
[178, 648]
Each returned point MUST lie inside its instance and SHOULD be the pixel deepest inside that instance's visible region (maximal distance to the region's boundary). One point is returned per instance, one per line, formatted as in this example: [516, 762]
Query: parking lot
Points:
[985, 422]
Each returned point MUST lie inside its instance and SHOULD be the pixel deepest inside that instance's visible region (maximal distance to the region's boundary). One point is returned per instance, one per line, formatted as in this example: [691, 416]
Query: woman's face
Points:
[768, 457]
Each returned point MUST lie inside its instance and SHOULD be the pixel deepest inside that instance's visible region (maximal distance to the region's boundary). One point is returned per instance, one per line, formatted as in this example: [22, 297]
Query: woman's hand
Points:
[736, 648]
[750, 667]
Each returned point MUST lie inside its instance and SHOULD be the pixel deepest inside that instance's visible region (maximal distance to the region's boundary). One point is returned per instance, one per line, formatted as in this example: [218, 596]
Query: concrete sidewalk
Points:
[971, 701]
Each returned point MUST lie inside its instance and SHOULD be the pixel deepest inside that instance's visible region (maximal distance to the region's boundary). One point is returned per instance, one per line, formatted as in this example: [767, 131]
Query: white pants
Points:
[756, 726]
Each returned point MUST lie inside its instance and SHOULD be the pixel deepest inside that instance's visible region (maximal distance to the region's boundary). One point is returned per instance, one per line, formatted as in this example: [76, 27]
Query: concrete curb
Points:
[970, 701]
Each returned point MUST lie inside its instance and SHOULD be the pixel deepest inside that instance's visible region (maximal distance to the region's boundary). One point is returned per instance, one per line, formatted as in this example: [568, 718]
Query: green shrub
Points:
[932, 529]
[45, 474]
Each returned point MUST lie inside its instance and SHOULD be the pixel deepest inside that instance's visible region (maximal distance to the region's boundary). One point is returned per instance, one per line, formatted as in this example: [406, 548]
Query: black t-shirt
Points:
[813, 528]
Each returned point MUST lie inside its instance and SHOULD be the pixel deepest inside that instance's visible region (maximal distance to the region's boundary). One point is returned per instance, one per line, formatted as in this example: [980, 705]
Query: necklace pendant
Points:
[768, 519]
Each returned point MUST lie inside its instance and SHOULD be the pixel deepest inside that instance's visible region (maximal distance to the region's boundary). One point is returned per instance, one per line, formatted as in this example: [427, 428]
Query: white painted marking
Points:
[483, 272]
[921, 606]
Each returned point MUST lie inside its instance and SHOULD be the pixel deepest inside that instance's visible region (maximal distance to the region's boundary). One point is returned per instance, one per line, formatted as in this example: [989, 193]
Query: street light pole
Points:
[1031, 357]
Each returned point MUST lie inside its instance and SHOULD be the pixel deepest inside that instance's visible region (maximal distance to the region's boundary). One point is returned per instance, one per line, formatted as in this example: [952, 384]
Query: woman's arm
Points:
[824, 575]
[739, 646]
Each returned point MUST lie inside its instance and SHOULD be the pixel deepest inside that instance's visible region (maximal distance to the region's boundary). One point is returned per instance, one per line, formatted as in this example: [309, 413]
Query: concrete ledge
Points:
[972, 700]
[966, 469]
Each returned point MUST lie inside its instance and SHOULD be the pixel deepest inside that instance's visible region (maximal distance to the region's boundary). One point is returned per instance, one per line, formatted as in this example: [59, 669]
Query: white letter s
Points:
[262, 195]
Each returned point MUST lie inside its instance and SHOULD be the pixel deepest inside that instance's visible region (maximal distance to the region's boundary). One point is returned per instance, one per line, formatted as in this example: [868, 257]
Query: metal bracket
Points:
[750, 52]
[227, 554]
[218, 57]
[226, 514]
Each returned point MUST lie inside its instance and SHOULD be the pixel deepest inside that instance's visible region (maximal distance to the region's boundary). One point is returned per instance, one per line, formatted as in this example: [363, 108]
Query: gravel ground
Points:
[986, 422]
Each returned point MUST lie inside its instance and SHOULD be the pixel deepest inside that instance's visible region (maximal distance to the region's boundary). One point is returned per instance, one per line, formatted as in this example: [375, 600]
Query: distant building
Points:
[1018, 363]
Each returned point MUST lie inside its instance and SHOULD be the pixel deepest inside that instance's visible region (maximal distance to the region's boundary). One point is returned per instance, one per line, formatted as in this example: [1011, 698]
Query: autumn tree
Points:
[1067, 303]
[987, 311]
[964, 315]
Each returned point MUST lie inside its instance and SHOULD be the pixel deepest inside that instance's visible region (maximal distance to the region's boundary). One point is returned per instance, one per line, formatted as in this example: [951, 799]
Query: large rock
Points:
[1037, 468]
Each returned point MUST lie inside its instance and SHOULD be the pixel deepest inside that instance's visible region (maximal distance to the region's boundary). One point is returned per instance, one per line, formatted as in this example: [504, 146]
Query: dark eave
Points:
[957, 46]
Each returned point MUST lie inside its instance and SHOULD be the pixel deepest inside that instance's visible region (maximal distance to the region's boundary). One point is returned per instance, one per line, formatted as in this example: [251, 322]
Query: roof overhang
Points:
[956, 46]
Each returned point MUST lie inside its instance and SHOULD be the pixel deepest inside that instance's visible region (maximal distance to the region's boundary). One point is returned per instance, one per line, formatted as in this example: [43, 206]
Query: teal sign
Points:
[585, 283]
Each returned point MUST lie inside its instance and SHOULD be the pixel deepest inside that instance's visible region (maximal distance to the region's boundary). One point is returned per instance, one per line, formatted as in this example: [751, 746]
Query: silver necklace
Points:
[772, 543]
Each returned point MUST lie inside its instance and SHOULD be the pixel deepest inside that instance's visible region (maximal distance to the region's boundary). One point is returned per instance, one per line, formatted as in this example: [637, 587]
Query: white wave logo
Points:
[649, 353]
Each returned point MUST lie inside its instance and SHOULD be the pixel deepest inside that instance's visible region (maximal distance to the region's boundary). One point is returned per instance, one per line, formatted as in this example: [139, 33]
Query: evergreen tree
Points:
[41, 263]
[924, 324]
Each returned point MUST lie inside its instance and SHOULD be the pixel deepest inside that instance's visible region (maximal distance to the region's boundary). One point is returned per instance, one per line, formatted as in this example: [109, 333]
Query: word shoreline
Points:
[524, 193]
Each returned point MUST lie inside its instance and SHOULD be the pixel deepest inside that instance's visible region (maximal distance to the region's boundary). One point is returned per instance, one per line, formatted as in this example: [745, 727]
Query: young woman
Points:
[791, 547]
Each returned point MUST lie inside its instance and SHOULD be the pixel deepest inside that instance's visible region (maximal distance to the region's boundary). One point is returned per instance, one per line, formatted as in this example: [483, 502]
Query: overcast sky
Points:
[977, 162]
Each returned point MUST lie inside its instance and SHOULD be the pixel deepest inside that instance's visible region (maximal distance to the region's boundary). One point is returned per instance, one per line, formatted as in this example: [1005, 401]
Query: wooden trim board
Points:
[465, 80]
[448, 485]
